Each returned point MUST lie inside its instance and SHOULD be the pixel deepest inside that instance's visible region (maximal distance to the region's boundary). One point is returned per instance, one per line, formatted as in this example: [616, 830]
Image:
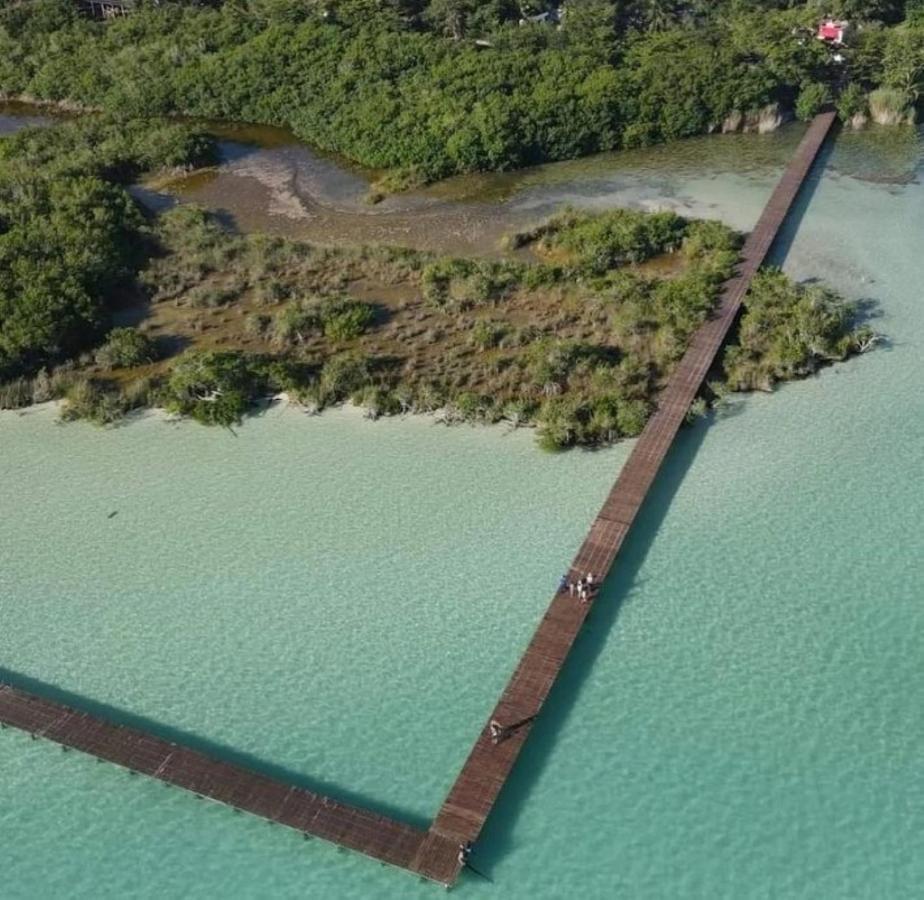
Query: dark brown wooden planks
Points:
[472, 796]
[367, 832]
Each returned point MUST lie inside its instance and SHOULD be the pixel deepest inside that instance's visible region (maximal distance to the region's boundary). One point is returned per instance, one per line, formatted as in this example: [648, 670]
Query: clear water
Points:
[743, 714]
[305, 592]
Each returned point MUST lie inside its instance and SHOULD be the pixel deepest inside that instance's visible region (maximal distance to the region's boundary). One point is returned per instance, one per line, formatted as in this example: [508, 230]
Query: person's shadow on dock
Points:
[497, 838]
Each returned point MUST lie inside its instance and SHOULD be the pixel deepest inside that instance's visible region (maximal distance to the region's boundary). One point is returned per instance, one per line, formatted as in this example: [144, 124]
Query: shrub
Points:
[707, 236]
[125, 348]
[256, 324]
[486, 334]
[343, 375]
[851, 102]
[632, 416]
[377, 401]
[787, 331]
[559, 424]
[340, 319]
[16, 394]
[490, 282]
[214, 387]
[212, 296]
[296, 323]
[604, 241]
[66, 244]
[94, 402]
[890, 106]
[813, 98]
[345, 319]
[437, 279]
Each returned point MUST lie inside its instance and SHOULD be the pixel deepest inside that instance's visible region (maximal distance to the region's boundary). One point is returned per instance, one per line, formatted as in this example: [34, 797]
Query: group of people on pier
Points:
[583, 588]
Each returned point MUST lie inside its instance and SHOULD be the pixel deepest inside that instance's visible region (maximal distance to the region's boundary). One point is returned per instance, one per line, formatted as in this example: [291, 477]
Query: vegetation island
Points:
[574, 331]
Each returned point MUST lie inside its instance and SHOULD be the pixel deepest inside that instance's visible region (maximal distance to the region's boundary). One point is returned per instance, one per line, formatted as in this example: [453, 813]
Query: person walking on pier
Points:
[497, 731]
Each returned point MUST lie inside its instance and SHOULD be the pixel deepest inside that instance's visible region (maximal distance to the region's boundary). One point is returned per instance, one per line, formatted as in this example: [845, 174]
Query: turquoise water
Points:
[344, 599]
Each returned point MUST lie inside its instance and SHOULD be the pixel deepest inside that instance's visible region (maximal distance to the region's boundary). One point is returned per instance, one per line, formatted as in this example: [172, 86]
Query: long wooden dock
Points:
[485, 772]
[435, 854]
[312, 814]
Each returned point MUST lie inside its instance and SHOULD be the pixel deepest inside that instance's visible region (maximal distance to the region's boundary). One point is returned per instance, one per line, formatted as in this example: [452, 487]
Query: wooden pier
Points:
[435, 854]
[141, 753]
[488, 766]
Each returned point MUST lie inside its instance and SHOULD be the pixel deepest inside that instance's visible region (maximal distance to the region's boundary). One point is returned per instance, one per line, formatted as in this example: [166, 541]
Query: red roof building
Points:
[832, 31]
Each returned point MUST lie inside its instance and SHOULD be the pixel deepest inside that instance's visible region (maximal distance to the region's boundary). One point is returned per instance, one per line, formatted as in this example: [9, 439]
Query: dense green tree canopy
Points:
[450, 86]
[69, 234]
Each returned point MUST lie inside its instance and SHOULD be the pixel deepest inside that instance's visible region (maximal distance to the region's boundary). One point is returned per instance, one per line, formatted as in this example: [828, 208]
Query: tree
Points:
[813, 98]
[659, 15]
[124, 348]
[450, 16]
[590, 26]
[851, 102]
[903, 63]
[214, 387]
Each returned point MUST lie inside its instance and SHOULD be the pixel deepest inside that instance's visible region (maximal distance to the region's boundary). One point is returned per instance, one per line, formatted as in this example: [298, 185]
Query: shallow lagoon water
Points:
[306, 592]
[742, 718]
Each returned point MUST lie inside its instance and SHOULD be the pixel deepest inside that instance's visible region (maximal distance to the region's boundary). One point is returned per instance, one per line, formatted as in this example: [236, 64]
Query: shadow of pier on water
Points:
[211, 748]
[498, 838]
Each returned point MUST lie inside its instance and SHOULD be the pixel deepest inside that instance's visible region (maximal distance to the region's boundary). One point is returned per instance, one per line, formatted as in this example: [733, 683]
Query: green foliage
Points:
[344, 375]
[45, 386]
[69, 237]
[486, 335]
[460, 284]
[851, 102]
[65, 246]
[214, 387]
[96, 402]
[124, 348]
[788, 331]
[403, 86]
[559, 423]
[295, 323]
[623, 330]
[903, 62]
[438, 277]
[890, 106]
[111, 147]
[16, 394]
[706, 236]
[569, 420]
[338, 319]
[344, 319]
[608, 240]
[813, 98]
